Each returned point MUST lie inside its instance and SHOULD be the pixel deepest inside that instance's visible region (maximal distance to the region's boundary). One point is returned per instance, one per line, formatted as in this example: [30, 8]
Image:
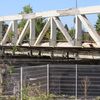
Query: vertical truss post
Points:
[53, 33]
[32, 32]
[0, 31]
[48, 79]
[78, 31]
[15, 31]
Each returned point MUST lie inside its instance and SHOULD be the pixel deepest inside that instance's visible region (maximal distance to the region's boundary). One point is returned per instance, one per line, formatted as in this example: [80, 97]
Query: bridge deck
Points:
[22, 55]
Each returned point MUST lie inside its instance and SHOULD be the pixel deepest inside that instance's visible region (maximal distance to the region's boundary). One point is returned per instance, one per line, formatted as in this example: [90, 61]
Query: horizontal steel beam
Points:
[66, 12]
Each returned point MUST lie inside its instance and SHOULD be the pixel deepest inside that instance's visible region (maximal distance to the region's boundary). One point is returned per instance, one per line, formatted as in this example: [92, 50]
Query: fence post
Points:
[76, 66]
[21, 83]
[76, 81]
[48, 72]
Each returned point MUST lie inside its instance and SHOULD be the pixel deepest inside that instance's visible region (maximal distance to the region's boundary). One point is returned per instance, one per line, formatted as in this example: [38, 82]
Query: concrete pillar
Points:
[78, 31]
[32, 32]
[15, 30]
[53, 33]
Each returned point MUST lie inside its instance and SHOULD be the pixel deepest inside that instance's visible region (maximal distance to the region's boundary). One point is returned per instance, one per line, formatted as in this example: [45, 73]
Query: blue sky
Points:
[8, 7]
[11, 7]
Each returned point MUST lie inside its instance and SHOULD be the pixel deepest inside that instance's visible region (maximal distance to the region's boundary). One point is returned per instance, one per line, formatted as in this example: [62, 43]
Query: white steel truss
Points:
[90, 29]
[5, 38]
[42, 33]
[23, 33]
[52, 22]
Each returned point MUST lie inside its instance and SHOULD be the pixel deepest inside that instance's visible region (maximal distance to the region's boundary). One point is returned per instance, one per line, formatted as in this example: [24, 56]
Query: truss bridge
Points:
[35, 45]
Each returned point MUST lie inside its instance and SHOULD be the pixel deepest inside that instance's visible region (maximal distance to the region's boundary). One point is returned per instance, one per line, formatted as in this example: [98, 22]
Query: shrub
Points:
[35, 93]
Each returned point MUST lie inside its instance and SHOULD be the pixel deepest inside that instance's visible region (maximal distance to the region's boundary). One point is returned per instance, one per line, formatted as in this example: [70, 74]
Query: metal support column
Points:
[48, 80]
[76, 82]
[76, 75]
[21, 83]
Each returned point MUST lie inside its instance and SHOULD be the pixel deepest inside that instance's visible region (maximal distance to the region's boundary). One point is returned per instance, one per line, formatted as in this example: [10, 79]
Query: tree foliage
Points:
[98, 24]
[26, 10]
[39, 23]
[72, 32]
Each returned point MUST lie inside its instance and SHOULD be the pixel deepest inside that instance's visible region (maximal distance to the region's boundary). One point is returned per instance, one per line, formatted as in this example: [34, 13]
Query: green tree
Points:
[66, 27]
[26, 10]
[4, 26]
[98, 24]
[60, 36]
[39, 23]
[72, 32]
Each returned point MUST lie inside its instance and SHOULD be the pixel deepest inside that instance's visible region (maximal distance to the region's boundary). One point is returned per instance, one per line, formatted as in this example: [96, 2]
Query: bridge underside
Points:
[23, 55]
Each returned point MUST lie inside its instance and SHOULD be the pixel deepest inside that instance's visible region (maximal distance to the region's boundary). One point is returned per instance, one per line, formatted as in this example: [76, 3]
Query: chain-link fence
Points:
[82, 81]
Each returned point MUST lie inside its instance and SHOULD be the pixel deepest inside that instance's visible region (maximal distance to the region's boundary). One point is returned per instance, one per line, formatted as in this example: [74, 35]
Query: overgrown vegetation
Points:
[35, 93]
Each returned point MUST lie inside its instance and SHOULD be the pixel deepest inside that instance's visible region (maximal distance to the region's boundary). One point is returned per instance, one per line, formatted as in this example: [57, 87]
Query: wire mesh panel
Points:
[35, 77]
[62, 79]
[88, 80]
